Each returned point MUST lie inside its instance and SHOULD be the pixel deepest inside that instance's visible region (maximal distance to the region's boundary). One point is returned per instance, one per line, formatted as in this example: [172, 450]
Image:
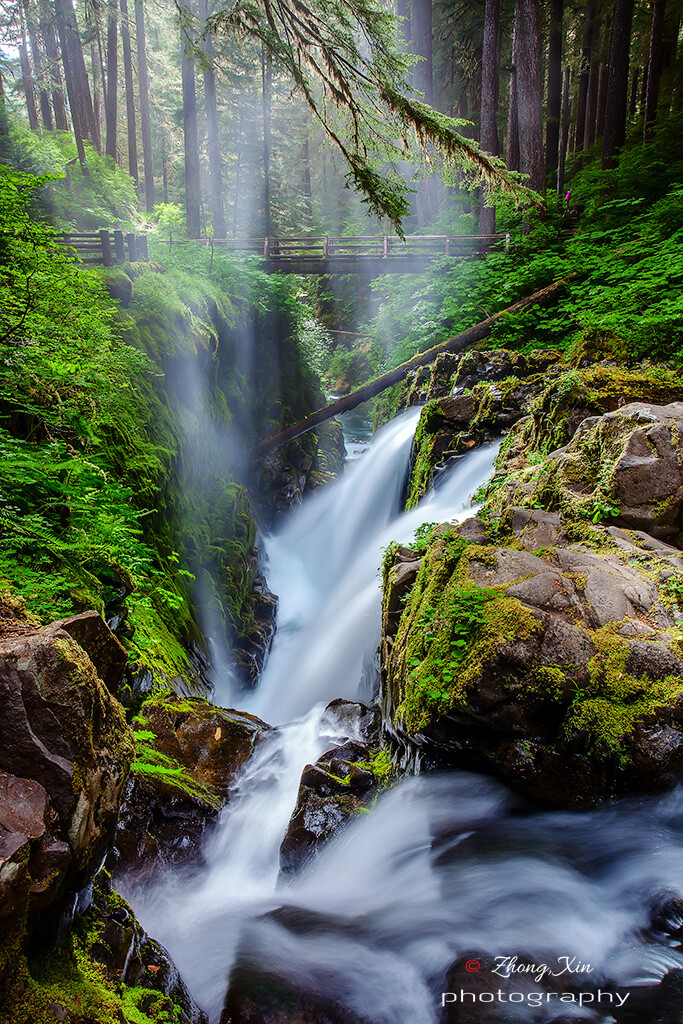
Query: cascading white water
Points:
[325, 566]
[443, 865]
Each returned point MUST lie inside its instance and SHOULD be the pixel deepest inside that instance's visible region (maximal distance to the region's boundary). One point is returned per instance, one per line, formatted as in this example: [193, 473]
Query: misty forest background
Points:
[176, 118]
[127, 393]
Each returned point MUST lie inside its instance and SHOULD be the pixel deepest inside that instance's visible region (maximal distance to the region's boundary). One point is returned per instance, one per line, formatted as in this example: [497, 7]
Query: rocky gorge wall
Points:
[541, 641]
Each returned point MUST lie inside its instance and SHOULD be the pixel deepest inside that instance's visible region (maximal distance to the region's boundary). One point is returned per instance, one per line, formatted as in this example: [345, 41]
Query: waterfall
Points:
[443, 865]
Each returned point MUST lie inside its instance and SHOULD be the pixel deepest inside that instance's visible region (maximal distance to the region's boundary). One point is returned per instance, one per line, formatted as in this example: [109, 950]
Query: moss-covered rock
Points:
[559, 669]
[188, 754]
[625, 466]
[65, 753]
[107, 971]
[343, 783]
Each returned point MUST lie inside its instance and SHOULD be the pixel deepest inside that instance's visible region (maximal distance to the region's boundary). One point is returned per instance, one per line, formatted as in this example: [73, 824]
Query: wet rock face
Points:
[112, 938]
[557, 668]
[338, 786]
[65, 752]
[195, 752]
[257, 998]
[452, 374]
[634, 458]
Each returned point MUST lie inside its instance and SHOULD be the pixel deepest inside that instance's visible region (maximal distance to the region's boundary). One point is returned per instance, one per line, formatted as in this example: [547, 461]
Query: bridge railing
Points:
[106, 247]
[110, 247]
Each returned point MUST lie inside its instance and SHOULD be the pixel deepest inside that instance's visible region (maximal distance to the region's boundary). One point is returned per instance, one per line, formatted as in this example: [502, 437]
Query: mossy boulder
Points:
[568, 396]
[626, 466]
[558, 669]
[65, 753]
[108, 970]
[188, 754]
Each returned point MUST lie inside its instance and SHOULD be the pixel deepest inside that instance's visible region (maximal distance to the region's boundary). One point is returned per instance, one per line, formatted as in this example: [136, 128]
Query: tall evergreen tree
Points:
[111, 100]
[145, 119]
[131, 126]
[614, 133]
[528, 90]
[191, 139]
[654, 65]
[552, 129]
[488, 132]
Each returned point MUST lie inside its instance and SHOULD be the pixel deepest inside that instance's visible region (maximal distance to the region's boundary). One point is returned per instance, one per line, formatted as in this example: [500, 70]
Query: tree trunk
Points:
[488, 132]
[586, 57]
[529, 90]
[545, 297]
[131, 127]
[79, 75]
[654, 67]
[190, 139]
[145, 120]
[52, 54]
[633, 102]
[97, 90]
[164, 167]
[266, 80]
[552, 130]
[512, 149]
[564, 132]
[39, 65]
[27, 77]
[421, 28]
[592, 95]
[112, 97]
[617, 83]
[71, 88]
[212, 138]
[422, 46]
[306, 178]
[602, 101]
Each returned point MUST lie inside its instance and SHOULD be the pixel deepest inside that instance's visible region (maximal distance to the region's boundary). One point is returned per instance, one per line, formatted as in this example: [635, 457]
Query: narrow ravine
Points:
[443, 865]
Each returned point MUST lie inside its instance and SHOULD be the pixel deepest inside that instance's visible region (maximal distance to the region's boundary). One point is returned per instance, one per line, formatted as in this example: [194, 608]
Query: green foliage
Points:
[152, 764]
[75, 202]
[604, 510]
[115, 478]
[454, 621]
[420, 541]
[344, 61]
[626, 256]
[72, 453]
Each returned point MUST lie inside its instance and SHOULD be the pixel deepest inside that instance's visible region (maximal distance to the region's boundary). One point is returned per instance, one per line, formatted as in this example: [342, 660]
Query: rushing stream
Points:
[443, 865]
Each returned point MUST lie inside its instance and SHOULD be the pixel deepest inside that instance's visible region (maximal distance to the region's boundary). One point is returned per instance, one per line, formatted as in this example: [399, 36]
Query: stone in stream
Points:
[188, 759]
[342, 783]
[273, 980]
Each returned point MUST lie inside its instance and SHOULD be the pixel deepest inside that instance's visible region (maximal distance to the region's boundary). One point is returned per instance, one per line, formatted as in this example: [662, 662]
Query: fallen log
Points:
[545, 297]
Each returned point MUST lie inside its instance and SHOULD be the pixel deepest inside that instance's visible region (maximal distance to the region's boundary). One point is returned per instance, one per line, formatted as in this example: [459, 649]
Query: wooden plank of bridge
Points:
[544, 297]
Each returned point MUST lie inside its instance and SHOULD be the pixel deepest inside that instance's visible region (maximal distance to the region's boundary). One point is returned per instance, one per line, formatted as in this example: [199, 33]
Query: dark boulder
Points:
[65, 753]
[341, 784]
[189, 755]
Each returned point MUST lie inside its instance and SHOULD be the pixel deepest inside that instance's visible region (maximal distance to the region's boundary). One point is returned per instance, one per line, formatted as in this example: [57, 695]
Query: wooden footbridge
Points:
[385, 254]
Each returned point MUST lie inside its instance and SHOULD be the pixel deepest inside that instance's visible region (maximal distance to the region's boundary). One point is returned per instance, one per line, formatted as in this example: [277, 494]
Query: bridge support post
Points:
[119, 247]
[132, 253]
[143, 251]
[105, 245]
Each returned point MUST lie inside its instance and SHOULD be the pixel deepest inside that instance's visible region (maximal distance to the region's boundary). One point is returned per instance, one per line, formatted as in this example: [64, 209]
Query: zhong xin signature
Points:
[506, 966]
